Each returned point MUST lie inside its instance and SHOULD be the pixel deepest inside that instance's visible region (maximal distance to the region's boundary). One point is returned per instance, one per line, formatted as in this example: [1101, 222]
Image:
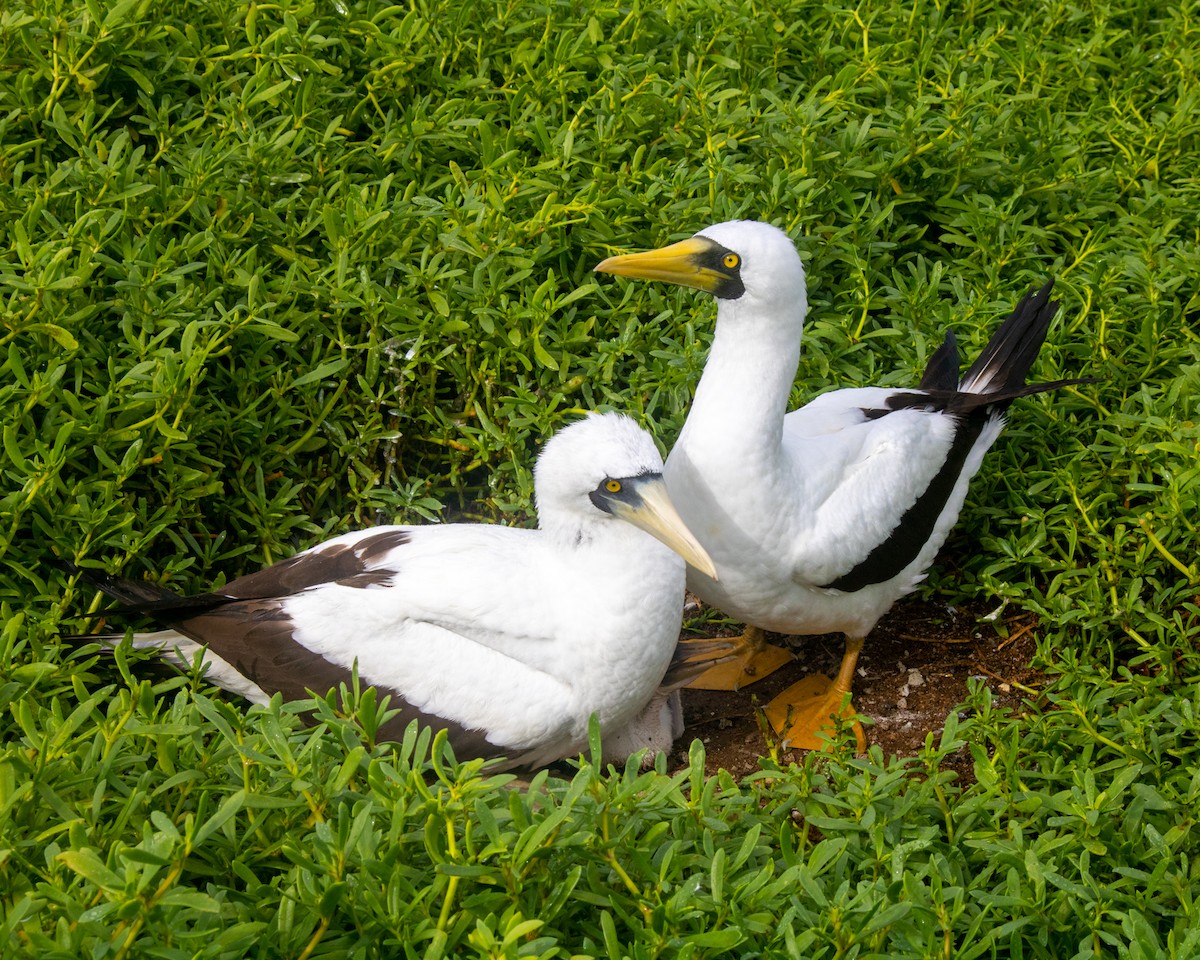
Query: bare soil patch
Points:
[912, 672]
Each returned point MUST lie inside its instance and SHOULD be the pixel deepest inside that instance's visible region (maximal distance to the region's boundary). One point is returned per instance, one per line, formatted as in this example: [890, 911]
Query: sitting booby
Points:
[820, 519]
[508, 638]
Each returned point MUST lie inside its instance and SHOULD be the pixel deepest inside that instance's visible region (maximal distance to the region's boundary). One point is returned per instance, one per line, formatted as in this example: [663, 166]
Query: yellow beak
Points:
[682, 262]
[651, 510]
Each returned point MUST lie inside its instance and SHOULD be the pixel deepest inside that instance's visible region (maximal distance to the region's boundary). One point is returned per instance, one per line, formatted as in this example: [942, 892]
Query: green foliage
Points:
[268, 272]
[154, 820]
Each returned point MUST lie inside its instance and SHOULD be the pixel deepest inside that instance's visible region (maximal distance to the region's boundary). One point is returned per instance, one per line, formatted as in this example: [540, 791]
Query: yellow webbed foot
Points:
[807, 709]
[746, 659]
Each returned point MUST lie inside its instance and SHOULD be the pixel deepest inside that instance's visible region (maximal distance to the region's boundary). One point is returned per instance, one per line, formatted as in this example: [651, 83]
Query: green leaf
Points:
[348, 769]
[324, 371]
[60, 336]
[88, 865]
[332, 898]
[270, 93]
[544, 358]
[118, 13]
[228, 809]
[168, 431]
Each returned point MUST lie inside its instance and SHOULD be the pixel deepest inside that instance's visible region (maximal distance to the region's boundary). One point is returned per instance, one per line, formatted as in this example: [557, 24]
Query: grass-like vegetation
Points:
[272, 271]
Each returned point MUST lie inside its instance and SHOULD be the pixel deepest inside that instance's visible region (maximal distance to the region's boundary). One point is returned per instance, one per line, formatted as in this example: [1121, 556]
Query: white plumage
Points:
[820, 519]
[510, 638]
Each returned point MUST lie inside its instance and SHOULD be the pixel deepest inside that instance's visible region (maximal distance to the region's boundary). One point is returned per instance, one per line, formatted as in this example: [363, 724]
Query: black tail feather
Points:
[997, 377]
[139, 598]
[941, 373]
[1005, 362]
[132, 593]
[963, 403]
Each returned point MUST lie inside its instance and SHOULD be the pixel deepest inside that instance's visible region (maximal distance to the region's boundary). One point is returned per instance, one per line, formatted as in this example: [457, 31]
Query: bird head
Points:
[603, 469]
[740, 262]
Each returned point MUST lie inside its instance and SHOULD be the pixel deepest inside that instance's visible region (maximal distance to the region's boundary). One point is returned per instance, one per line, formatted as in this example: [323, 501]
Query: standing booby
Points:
[820, 519]
[509, 638]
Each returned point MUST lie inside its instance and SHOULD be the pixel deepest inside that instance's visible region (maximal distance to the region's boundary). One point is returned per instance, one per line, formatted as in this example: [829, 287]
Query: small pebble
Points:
[915, 679]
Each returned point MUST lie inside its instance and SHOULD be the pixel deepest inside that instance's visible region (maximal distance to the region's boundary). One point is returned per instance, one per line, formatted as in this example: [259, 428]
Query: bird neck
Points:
[743, 394]
[606, 544]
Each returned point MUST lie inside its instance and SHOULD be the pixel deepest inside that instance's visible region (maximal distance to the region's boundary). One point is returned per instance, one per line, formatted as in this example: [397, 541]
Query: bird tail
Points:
[1008, 357]
[133, 594]
[941, 373]
[998, 375]
[139, 598]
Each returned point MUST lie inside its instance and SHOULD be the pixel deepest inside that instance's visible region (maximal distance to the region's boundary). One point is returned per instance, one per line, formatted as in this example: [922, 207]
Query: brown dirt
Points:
[912, 672]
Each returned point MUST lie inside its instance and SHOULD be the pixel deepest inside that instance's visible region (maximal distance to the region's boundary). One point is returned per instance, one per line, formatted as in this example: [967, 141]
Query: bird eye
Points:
[731, 260]
[612, 486]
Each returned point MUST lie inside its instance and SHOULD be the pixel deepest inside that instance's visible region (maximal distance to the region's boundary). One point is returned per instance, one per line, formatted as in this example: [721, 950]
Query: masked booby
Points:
[820, 519]
[508, 638]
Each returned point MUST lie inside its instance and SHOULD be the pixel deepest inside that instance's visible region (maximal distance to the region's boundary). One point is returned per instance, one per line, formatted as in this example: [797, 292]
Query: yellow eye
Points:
[612, 486]
[731, 260]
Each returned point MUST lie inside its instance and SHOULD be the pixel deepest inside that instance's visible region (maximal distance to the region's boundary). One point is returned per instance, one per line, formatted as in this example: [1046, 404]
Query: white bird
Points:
[508, 638]
[820, 519]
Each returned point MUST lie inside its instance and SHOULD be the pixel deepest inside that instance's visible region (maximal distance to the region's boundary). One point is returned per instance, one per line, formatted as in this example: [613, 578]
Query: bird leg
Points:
[743, 660]
[807, 708]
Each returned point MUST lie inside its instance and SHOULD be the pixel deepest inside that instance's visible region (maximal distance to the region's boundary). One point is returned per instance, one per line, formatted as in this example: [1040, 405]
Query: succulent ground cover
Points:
[269, 272]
